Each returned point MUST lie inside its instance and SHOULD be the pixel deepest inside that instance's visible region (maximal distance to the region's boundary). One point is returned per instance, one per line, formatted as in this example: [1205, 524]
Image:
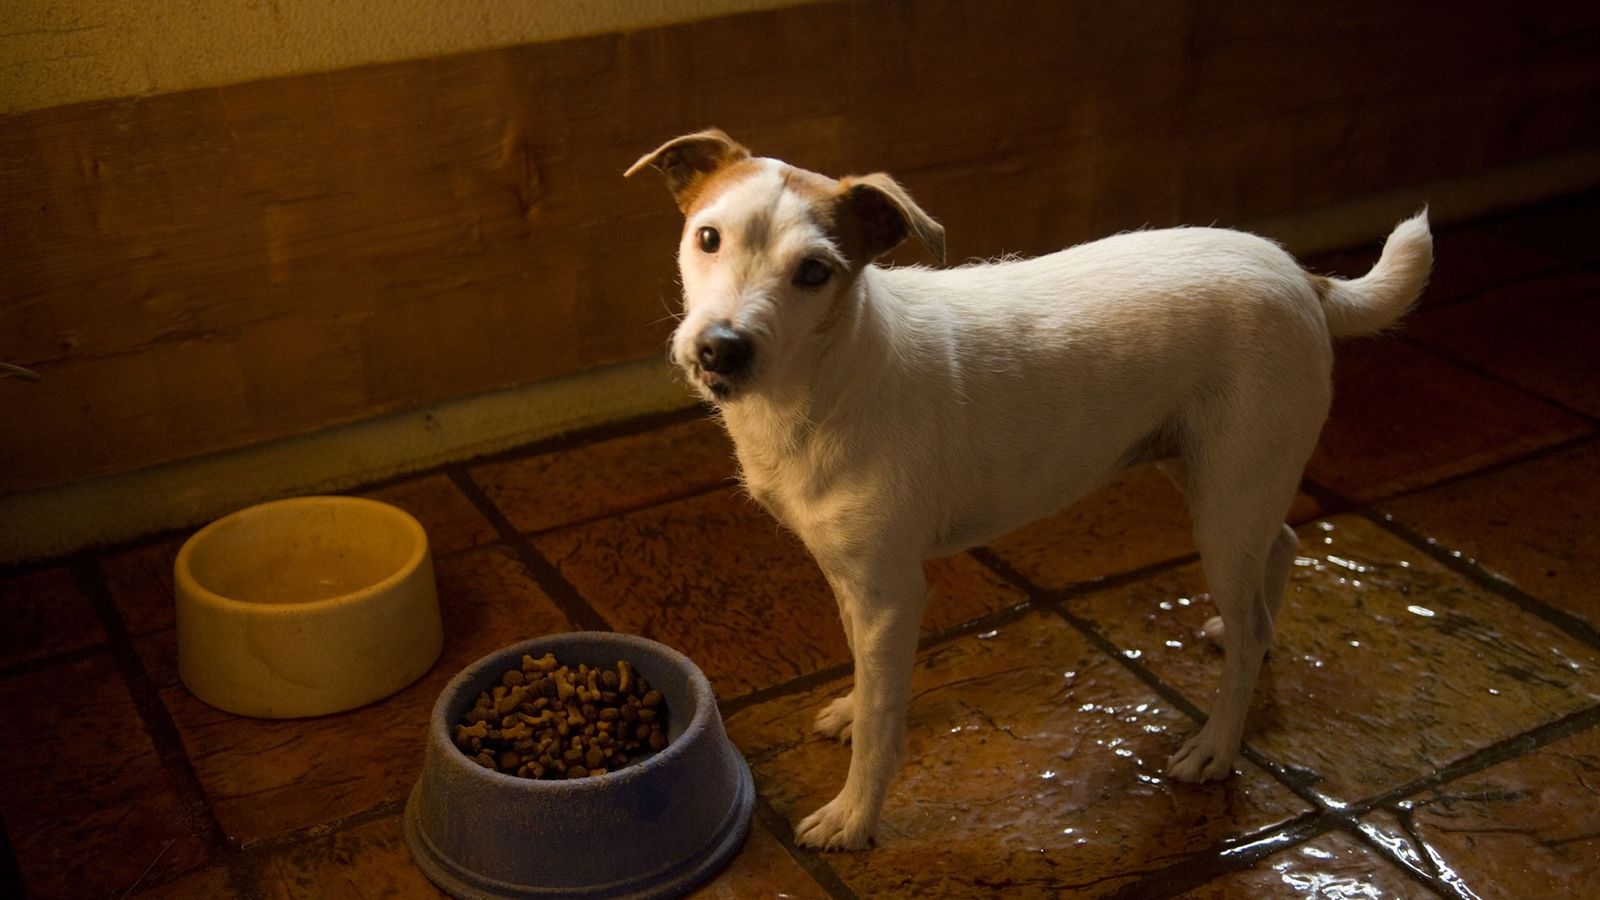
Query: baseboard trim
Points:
[55, 521]
[1368, 220]
[59, 520]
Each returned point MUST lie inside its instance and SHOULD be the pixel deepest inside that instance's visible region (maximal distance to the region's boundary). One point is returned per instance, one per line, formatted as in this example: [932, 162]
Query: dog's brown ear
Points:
[689, 161]
[886, 215]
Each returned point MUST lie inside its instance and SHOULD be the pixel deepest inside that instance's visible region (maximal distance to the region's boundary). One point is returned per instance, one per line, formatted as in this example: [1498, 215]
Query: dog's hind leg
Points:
[1245, 551]
[885, 605]
[1279, 556]
[1279, 559]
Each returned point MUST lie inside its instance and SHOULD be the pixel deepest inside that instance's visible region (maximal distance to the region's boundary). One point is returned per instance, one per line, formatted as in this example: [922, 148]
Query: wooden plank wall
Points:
[199, 271]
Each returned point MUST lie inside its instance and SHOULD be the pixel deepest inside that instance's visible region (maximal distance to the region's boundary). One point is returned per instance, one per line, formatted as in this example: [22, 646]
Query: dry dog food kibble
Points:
[548, 720]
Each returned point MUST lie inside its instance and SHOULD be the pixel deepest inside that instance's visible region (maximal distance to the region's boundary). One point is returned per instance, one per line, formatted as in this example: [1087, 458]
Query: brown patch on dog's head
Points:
[716, 184]
[869, 215]
[693, 162]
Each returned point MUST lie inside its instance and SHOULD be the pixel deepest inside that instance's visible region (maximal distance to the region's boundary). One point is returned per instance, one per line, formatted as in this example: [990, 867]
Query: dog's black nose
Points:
[722, 350]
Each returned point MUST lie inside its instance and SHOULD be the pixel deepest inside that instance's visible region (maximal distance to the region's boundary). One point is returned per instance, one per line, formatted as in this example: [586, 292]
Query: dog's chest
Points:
[796, 490]
[778, 485]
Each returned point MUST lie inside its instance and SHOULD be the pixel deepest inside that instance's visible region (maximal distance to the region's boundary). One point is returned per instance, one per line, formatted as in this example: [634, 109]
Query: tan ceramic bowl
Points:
[306, 606]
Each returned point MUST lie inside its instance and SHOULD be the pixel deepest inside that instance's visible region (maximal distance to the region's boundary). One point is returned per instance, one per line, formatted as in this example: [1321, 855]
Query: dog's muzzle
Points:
[722, 357]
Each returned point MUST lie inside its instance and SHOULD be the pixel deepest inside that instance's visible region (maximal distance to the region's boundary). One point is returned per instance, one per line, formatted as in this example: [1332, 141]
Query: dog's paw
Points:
[1212, 630]
[836, 826]
[1200, 759]
[835, 718]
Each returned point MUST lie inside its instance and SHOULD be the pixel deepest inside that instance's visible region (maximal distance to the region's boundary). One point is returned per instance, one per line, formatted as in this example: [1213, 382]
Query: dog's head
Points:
[769, 256]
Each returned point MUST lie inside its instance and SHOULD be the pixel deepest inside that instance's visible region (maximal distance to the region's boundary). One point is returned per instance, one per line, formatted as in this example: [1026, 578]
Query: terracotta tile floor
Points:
[1427, 724]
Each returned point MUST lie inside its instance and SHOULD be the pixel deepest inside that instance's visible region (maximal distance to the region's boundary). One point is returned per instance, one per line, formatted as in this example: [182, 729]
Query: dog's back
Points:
[1189, 275]
[1144, 339]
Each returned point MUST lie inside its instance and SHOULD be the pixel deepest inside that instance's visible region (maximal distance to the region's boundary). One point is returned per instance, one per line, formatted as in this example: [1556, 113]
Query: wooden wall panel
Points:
[198, 271]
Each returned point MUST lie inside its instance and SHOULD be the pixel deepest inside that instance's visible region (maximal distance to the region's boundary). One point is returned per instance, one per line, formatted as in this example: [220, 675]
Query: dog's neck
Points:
[822, 387]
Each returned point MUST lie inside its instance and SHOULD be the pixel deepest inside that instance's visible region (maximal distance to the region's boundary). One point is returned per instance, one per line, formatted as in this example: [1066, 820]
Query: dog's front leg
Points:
[883, 607]
[834, 719]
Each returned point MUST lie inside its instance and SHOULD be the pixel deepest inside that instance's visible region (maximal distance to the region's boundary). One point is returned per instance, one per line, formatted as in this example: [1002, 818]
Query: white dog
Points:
[891, 415]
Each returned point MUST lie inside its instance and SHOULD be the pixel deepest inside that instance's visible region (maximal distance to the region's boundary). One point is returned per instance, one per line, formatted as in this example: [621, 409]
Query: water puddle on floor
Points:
[1407, 594]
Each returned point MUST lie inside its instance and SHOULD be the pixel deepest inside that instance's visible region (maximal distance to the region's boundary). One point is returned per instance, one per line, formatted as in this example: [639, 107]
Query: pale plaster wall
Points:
[54, 52]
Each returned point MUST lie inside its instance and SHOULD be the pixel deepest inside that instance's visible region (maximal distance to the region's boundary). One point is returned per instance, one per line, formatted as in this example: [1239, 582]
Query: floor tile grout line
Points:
[620, 512]
[1527, 456]
[986, 622]
[1230, 855]
[58, 658]
[322, 830]
[813, 863]
[938, 638]
[1348, 816]
[796, 685]
[818, 677]
[561, 592]
[1055, 602]
[240, 862]
[241, 880]
[1501, 751]
[1049, 597]
[1430, 880]
[159, 725]
[1457, 562]
[1105, 645]
[1454, 559]
[688, 493]
[1481, 372]
[1332, 502]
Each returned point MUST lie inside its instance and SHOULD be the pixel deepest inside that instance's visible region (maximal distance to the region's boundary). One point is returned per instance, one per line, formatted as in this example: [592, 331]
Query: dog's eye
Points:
[813, 273]
[709, 239]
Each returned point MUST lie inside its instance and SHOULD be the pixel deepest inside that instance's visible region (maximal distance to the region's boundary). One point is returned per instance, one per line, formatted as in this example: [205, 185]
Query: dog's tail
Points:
[1378, 299]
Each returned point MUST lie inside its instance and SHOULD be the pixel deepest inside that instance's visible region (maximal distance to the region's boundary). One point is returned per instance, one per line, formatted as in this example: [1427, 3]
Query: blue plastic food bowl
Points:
[655, 828]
